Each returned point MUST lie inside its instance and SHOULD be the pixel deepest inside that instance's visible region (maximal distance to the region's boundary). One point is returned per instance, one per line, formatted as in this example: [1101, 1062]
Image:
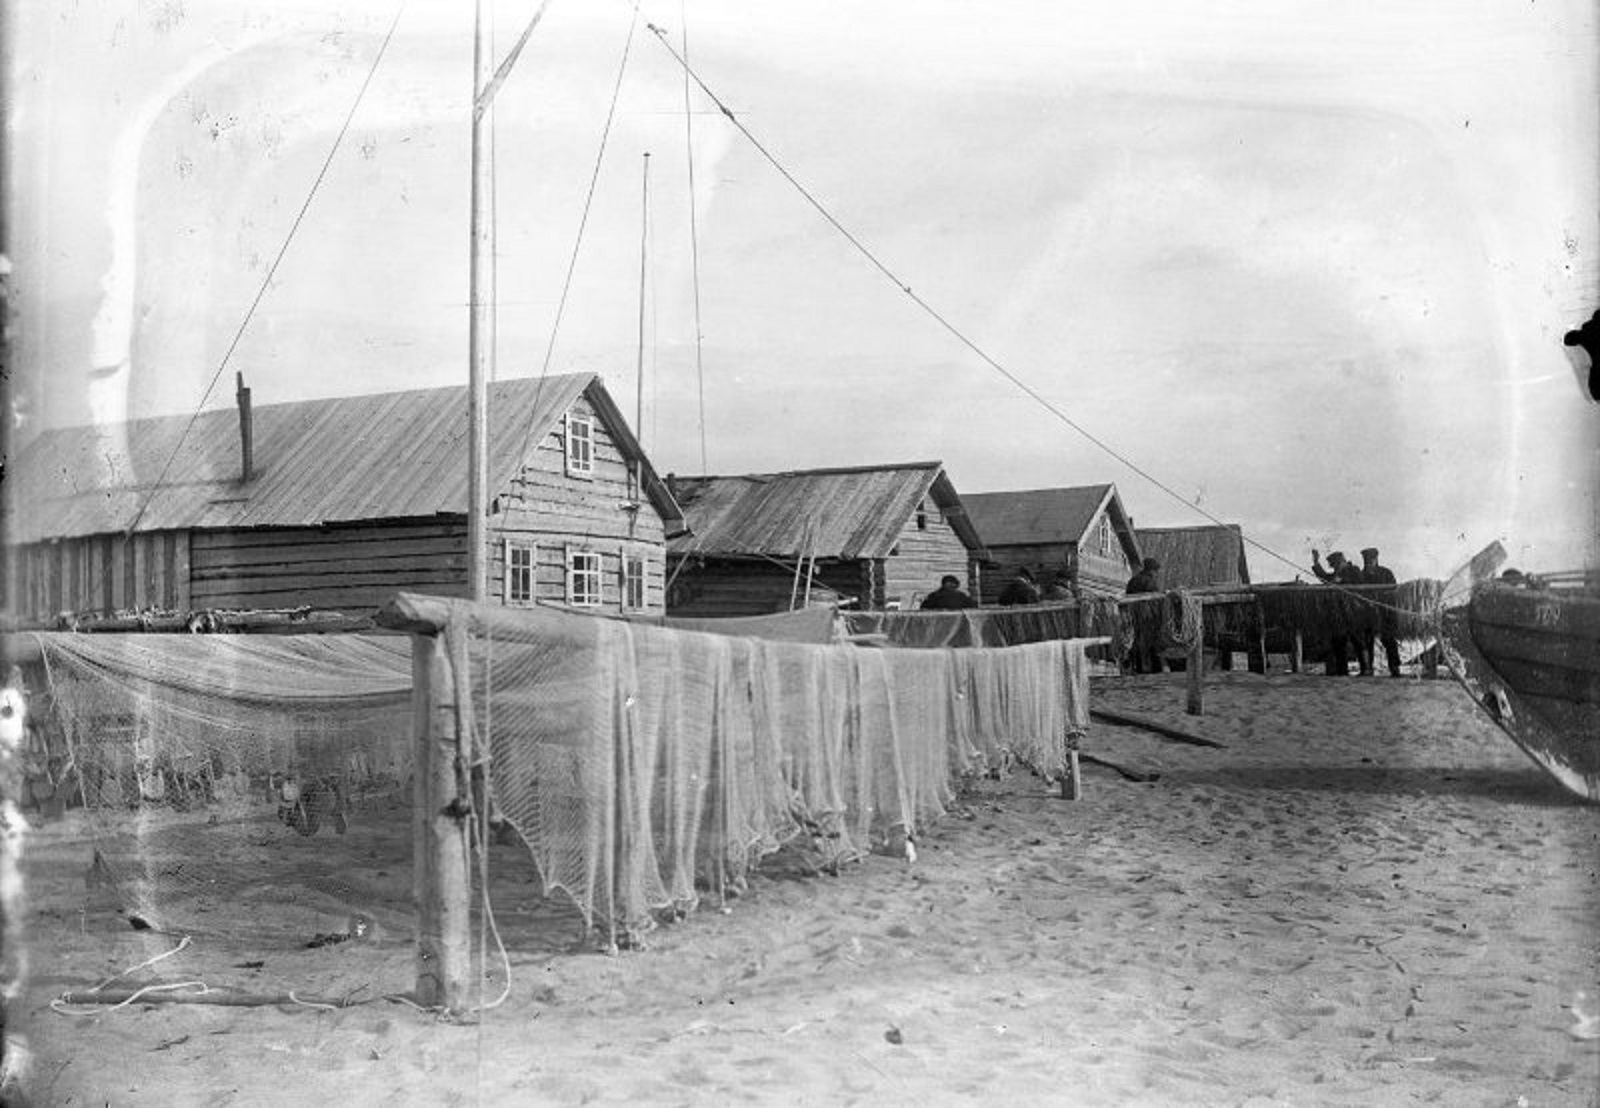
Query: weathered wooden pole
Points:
[1257, 624]
[1196, 666]
[1072, 782]
[481, 317]
[1297, 653]
[440, 870]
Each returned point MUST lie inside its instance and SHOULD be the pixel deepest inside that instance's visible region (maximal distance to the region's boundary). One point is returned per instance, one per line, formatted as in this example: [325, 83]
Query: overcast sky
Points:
[1307, 269]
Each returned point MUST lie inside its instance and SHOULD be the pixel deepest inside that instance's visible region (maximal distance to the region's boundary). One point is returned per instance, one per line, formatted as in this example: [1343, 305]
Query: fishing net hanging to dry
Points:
[1089, 617]
[646, 766]
[246, 785]
[209, 768]
[1409, 610]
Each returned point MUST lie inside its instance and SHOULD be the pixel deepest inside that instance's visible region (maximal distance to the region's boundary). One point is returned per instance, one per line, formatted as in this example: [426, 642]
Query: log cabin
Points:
[336, 504]
[1196, 557]
[1083, 531]
[1206, 557]
[871, 537]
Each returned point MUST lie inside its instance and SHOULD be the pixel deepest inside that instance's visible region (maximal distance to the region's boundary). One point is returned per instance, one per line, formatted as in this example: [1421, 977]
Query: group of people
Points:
[1364, 640]
[1021, 589]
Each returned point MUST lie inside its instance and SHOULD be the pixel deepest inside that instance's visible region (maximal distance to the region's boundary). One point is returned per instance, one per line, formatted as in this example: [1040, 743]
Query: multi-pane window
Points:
[632, 582]
[580, 445]
[1105, 536]
[583, 578]
[519, 573]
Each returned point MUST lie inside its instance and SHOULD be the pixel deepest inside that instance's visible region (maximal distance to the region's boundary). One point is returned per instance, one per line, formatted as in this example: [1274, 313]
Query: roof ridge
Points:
[257, 407]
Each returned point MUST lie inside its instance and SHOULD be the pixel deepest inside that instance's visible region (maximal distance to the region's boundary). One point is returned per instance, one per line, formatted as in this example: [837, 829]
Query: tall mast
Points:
[644, 243]
[480, 325]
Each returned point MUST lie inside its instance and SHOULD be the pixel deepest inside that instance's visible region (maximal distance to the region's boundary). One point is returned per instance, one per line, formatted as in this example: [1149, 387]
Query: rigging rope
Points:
[940, 319]
[583, 222]
[694, 239]
[272, 270]
[489, 91]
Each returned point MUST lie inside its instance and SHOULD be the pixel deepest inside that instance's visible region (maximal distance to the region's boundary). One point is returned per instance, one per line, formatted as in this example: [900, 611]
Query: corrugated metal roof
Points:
[1035, 516]
[1193, 556]
[388, 456]
[832, 513]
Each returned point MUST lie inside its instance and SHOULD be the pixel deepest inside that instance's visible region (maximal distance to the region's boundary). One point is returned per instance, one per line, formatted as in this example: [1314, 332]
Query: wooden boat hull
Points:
[1530, 657]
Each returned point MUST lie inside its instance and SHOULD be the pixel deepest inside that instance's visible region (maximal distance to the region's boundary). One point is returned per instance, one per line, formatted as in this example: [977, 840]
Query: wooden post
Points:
[1257, 624]
[1196, 665]
[441, 881]
[1072, 783]
[1297, 654]
[481, 315]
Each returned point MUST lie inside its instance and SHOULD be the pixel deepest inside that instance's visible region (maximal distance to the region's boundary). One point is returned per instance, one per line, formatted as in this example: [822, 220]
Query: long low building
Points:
[1081, 532]
[872, 537]
[336, 504]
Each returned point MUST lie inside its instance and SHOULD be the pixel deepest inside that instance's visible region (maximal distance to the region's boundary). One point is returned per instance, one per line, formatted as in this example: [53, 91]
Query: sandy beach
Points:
[1368, 896]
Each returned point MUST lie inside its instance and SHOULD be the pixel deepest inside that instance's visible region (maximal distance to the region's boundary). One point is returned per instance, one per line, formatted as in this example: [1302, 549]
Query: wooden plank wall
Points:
[546, 507]
[359, 566]
[927, 549]
[102, 574]
[1041, 559]
[725, 587]
[335, 567]
[1101, 576]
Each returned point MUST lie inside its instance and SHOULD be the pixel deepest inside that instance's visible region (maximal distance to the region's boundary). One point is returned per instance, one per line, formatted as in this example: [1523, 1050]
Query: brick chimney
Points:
[246, 432]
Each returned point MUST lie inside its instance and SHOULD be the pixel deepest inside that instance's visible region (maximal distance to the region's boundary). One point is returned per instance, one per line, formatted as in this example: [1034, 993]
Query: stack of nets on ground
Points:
[208, 766]
[646, 766]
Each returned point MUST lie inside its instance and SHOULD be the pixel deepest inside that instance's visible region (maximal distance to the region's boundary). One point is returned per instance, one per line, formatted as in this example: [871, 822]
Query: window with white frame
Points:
[580, 445]
[633, 595]
[1105, 536]
[519, 573]
[583, 578]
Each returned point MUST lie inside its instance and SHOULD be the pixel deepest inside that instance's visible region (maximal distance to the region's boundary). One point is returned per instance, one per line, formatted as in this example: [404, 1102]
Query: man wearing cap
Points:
[1340, 572]
[1145, 579]
[1387, 630]
[1021, 589]
[948, 597]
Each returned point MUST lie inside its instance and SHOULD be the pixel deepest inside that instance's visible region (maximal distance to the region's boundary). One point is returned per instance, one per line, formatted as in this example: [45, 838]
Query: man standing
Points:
[948, 597]
[1145, 579]
[1020, 589]
[1341, 572]
[1388, 621]
[1061, 587]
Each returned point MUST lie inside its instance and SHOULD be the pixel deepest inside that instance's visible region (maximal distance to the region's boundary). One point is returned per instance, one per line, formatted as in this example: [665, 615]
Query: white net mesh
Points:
[209, 765]
[643, 767]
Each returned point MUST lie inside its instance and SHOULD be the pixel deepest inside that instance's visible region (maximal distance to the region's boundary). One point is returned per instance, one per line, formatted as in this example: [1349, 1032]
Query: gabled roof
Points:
[1194, 556]
[832, 513]
[1048, 517]
[398, 455]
